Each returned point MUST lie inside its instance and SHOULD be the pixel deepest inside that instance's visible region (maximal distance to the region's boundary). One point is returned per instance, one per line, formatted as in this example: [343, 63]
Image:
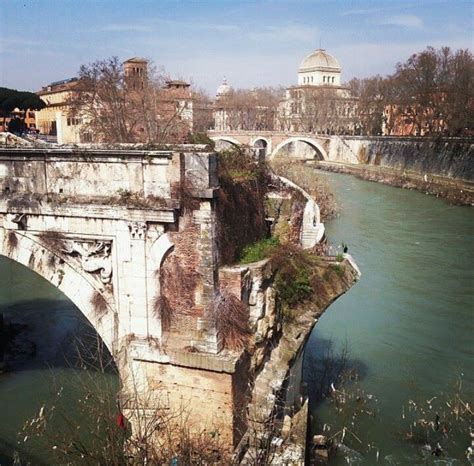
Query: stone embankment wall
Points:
[446, 157]
[275, 358]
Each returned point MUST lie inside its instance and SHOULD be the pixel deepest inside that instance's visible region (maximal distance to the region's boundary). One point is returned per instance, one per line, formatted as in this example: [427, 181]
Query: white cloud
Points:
[408, 21]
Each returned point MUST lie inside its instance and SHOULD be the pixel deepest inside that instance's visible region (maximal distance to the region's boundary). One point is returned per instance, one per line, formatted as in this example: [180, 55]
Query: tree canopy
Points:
[432, 92]
[23, 100]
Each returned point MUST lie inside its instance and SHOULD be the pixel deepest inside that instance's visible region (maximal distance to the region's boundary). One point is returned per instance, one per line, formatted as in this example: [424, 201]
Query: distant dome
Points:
[319, 60]
[223, 89]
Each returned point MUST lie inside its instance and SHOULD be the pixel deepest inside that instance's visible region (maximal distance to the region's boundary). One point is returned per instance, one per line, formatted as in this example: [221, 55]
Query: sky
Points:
[251, 43]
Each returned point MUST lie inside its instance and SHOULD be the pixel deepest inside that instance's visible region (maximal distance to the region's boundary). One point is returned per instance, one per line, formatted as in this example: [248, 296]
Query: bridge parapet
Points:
[103, 173]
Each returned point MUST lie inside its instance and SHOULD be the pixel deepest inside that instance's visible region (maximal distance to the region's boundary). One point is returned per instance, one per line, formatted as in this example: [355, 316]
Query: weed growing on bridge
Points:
[163, 311]
[240, 203]
[54, 240]
[294, 270]
[11, 240]
[231, 317]
[99, 304]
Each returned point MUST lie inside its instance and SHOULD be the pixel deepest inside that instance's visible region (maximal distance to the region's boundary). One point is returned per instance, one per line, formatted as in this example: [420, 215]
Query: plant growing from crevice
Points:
[163, 311]
[231, 318]
[99, 304]
[54, 240]
[183, 191]
[12, 241]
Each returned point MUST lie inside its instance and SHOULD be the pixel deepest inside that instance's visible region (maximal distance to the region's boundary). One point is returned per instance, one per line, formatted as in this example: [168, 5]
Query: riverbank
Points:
[455, 191]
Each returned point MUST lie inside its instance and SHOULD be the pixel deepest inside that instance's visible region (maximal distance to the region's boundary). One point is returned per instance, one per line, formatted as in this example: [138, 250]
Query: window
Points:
[311, 78]
[333, 79]
[324, 79]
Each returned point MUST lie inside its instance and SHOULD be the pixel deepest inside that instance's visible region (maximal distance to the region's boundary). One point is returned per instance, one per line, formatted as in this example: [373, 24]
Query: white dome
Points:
[319, 60]
[223, 89]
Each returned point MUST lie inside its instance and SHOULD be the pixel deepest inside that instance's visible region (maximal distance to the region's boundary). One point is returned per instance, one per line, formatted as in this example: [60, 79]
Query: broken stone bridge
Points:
[109, 229]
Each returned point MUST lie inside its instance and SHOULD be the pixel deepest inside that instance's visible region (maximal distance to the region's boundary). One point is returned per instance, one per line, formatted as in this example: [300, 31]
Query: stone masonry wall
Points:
[448, 157]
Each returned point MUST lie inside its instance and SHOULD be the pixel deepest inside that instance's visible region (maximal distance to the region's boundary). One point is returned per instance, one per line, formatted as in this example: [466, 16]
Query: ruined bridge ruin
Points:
[110, 229]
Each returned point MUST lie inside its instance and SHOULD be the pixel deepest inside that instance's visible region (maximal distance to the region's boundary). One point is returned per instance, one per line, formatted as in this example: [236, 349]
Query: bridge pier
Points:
[130, 237]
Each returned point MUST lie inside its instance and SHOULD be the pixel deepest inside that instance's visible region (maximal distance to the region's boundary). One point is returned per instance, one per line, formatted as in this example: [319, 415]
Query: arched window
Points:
[311, 79]
[333, 79]
[324, 79]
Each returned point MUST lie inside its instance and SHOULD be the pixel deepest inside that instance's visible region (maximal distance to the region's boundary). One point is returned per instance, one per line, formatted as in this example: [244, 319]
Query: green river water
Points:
[407, 325]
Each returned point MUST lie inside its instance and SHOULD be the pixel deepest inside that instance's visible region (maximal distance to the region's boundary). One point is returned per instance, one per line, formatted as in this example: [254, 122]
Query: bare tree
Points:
[118, 107]
[254, 109]
[432, 92]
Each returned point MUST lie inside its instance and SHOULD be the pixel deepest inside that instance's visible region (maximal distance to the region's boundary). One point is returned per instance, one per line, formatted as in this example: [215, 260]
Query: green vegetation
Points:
[23, 100]
[295, 272]
[338, 268]
[258, 251]
[340, 257]
[241, 203]
[240, 166]
[201, 138]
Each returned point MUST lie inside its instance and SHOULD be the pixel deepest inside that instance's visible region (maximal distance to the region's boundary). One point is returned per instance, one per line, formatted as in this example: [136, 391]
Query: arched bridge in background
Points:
[271, 143]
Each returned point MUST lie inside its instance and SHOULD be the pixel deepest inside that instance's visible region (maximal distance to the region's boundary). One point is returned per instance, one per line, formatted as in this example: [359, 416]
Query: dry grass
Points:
[231, 317]
[99, 304]
[179, 272]
[307, 178]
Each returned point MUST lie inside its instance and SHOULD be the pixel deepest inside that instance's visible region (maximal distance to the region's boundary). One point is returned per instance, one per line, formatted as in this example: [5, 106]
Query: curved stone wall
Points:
[448, 157]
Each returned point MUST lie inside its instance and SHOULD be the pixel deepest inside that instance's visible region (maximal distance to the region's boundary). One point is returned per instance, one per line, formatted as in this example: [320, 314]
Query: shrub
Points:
[294, 270]
[338, 268]
[202, 138]
[259, 250]
[240, 204]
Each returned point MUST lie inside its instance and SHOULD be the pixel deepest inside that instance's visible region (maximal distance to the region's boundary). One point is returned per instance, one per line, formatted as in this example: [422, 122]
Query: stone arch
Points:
[262, 144]
[312, 142]
[227, 139]
[64, 274]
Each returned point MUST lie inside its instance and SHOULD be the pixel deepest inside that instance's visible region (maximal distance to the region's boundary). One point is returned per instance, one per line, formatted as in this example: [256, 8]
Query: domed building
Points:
[319, 68]
[220, 112]
[318, 103]
[223, 89]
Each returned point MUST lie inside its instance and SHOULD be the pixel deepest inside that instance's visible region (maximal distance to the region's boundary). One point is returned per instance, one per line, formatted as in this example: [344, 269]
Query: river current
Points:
[407, 325]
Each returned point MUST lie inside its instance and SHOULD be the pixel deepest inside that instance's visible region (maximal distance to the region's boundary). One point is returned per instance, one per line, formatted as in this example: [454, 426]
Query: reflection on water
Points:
[408, 322]
[54, 325]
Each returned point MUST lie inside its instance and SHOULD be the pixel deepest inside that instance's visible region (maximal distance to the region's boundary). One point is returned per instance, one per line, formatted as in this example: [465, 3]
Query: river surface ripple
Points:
[408, 323]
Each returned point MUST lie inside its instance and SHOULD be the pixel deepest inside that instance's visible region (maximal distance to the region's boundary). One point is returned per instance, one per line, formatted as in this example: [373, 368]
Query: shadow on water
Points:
[10, 455]
[54, 334]
[324, 365]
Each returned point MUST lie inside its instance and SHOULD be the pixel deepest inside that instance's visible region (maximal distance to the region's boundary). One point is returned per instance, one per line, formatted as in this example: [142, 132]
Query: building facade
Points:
[318, 103]
[171, 105]
[55, 119]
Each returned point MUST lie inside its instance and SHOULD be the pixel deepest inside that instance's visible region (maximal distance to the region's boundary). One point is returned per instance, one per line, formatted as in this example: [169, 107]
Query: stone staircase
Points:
[312, 229]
